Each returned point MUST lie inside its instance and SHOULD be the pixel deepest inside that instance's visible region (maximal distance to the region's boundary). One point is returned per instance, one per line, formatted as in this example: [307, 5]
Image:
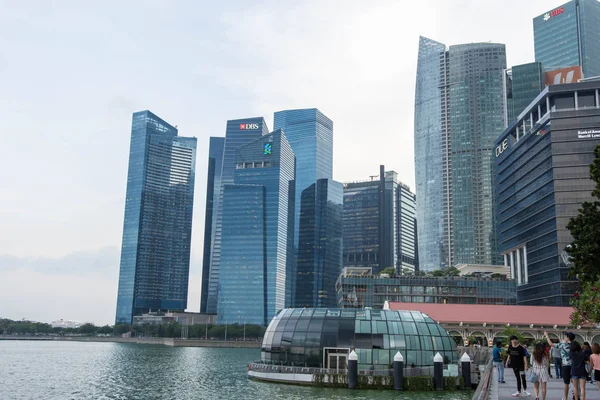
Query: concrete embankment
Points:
[160, 341]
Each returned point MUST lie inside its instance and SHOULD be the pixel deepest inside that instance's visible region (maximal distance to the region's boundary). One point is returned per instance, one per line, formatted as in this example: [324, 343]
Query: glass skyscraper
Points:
[310, 133]
[379, 224]
[459, 111]
[432, 157]
[524, 83]
[155, 253]
[569, 35]
[213, 191]
[255, 231]
[320, 244]
[239, 132]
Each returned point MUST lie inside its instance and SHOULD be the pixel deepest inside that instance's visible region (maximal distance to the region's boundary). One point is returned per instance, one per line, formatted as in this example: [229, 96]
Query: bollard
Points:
[465, 361]
[352, 370]
[398, 371]
[438, 372]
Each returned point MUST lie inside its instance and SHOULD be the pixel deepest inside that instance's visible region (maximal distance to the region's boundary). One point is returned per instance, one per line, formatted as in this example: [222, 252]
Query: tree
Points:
[88, 329]
[584, 253]
[391, 271]
[509, 331]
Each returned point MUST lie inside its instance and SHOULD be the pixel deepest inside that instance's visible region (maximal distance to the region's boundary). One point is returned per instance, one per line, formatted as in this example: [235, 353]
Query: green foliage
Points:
[584, 252]
[419, 383]
[587, 304]
[450, 271]
[509, 331]
[391, 271]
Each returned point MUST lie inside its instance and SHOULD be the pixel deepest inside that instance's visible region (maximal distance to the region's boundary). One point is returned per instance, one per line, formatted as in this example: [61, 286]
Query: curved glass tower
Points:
[155, 254]
[432, 162]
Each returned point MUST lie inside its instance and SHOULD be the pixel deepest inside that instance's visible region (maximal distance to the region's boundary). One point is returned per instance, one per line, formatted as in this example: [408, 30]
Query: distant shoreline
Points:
[172, 342]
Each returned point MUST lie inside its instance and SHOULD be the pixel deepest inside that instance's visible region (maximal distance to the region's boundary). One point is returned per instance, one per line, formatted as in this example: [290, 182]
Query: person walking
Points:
[587, 350]
[518, 362]
[540, 362]
[498, 362]
[555, 354]
[565, 355]
[578, 372]
[595, 364]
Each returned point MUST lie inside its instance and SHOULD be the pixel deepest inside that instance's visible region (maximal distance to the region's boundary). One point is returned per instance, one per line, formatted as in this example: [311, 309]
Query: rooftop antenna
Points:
[373, 176]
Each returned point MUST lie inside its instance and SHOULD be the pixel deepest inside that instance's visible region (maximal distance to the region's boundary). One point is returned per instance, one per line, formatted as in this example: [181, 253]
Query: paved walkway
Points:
[504, 391]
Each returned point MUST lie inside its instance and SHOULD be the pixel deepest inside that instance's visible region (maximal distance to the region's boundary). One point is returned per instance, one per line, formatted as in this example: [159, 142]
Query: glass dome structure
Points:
[323, 338]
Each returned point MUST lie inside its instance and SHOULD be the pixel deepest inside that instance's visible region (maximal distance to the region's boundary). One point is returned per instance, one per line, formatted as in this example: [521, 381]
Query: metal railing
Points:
[286, 369]
[485, 382]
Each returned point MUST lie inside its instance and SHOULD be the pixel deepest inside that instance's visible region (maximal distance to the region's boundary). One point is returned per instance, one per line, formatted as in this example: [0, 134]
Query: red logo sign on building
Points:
[242, 126]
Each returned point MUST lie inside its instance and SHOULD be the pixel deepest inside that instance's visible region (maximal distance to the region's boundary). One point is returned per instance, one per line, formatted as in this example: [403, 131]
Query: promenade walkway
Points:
[504, 391]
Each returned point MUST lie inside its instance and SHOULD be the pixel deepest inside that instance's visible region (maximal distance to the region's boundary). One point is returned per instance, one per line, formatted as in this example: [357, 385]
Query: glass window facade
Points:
[239, 132]
[320, 245]
[476, 90]
[432, 162]
[213, 190]
[318, 337]
[527, 81]
[310, 133]
[255, 232]
[155, 253]
[542, 177]
[379, 224]
[568, 35]
[355, 290]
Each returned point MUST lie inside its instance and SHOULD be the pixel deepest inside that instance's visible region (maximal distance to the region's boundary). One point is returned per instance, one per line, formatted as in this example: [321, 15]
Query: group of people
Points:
[574, 363]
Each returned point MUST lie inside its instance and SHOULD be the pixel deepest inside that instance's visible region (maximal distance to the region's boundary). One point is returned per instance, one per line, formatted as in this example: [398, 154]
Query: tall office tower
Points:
[569, 35]
[543, 176]
[155, 254]
[310, 133]
[255, 231]
[433, 173]
[379, 224]
[239, 132]
[523, 84]
[320, 244]
[459, 111]
[213, 191]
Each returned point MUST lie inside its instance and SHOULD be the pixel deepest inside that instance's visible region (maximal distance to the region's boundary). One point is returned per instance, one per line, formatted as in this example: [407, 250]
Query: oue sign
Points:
[501, 147]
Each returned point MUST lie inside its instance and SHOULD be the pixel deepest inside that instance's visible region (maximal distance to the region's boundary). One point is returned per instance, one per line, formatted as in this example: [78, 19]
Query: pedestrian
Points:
[595, 364]
[518, 362]
[547, 353]
[498, 362]
[578, 372]
[587, 350]
[555, 354]
[540, 362]
[565, 355]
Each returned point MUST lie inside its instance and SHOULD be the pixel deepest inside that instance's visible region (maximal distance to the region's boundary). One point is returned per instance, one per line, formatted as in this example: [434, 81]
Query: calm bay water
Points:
[73, 370]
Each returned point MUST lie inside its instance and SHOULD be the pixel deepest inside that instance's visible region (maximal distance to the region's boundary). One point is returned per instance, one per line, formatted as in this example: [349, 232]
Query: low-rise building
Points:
[183, 318]
[358, 288]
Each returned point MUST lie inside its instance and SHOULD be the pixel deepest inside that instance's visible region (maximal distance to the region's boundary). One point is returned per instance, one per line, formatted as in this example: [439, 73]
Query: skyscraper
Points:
[523, 83]
[239, 132]
[379, 224]
[320, 244]
[155, 253]
[310, 133]
[255, 231]
[569, 35]
[459, 111]
[213, 191]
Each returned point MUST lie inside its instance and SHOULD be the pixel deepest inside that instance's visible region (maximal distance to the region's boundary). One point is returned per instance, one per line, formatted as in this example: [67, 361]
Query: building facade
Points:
[255, 232]
[569, 35]
[213, 191]
[155, 253]
[310, 133]
[459, 111]
[523, 84]
[379, 224]
[239, 132]
[542, 177]
[358, 288]
[320, 244]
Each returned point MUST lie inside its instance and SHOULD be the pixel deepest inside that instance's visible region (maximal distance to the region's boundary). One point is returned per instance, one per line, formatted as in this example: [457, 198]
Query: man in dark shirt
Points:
[518, 362]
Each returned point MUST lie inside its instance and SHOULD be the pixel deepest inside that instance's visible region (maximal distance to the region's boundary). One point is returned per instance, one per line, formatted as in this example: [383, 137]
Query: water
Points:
[74, 370]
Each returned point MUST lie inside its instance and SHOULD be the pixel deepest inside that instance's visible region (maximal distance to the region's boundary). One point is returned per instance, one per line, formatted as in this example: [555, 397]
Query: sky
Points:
[72, 73]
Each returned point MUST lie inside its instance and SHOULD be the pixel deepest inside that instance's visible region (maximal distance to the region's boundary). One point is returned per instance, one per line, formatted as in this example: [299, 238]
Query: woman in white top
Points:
[540, 363]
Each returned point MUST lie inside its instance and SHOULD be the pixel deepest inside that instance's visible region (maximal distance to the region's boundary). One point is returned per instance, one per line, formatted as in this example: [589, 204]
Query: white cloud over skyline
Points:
[72, 73]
